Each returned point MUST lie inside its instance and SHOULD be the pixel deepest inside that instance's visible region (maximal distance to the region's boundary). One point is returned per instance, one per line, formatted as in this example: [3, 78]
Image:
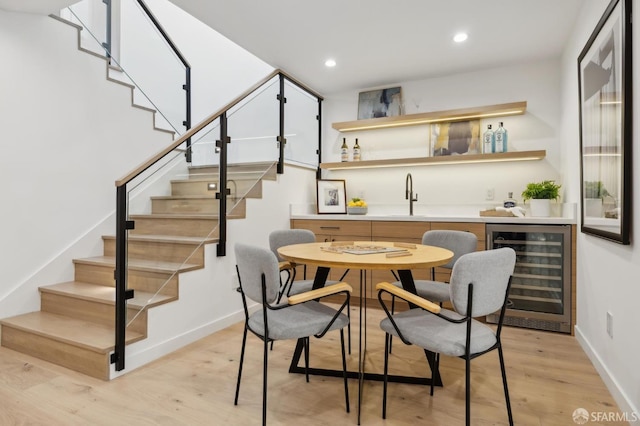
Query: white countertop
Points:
[565, 215]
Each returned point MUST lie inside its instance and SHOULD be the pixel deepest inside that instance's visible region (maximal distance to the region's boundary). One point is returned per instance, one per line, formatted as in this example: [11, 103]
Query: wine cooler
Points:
[540, 295]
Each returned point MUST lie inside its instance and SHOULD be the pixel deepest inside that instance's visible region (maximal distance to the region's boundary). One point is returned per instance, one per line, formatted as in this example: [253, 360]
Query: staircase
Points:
[75, 327]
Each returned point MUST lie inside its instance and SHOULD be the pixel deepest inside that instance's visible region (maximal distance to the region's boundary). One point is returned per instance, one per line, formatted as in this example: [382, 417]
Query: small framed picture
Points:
[332, 196]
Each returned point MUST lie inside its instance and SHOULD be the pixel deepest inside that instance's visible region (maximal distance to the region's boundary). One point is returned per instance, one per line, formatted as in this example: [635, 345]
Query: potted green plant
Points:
[594, 189]
[540, 194]
[594, 193]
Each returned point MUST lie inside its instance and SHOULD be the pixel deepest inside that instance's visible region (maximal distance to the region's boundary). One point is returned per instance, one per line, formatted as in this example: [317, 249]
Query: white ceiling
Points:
[382, 42]
[378, 42]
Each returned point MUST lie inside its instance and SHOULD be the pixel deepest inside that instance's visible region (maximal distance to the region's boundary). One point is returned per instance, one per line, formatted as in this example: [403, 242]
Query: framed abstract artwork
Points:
[380, 103]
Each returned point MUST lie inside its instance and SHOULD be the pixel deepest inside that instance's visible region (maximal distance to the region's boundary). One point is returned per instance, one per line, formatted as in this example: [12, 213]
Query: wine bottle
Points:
[356, 151]
[501, 138]
[344, 150]
[488, 141]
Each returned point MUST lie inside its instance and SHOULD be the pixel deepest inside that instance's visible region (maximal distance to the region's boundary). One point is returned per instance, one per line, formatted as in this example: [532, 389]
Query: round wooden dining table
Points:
[399, 257]
[364, 255]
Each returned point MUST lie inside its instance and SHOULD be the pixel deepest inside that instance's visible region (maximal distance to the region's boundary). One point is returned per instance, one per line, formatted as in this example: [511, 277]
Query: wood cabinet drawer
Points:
[399, 231]
[359, 228]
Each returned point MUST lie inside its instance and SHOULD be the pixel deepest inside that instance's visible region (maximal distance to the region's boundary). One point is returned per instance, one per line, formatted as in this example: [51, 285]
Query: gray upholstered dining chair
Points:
[285, 237]
[291, 286]
[479, 286]
[296, 317]
[460, 243]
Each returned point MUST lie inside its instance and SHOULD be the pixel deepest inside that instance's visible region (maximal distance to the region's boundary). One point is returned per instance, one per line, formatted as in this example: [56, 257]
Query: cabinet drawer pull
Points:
[329, 227]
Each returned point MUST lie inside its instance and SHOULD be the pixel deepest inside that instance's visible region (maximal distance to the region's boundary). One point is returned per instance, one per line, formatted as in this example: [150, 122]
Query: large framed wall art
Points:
[604, 77]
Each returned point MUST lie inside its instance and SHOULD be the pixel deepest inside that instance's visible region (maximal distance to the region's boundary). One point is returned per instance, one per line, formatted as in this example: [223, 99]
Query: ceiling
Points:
[376, 44]
[379, 42]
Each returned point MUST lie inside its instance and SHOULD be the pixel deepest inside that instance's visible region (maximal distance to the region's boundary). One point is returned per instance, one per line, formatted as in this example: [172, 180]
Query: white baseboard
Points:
[621, 398]
[138, 359]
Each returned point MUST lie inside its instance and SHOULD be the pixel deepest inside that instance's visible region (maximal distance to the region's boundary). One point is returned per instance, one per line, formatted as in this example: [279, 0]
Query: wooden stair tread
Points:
[85, 334]
[192, 197]
[264, 170]
[175, 216]
[254, 164]
[213, 178]
[140, 264]
[211, 196]
[177, 239]
[105, 294]
[182, 216]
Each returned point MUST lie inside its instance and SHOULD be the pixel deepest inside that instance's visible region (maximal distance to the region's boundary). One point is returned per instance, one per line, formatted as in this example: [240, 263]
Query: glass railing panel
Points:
[301, 126]
[93, 16]
[143, 59]
[156, 70]
[204, 153]
[253, 126]
[175, 214]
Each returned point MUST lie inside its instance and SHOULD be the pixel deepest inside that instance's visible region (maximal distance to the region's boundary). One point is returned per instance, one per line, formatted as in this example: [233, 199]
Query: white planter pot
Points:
[540, 207]
[593, 207]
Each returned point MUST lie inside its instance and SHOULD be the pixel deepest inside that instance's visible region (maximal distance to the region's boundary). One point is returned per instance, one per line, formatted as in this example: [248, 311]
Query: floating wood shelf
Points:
[434, 161]
[513, 108]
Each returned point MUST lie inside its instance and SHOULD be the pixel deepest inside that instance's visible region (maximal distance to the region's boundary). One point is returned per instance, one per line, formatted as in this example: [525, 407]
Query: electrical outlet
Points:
[610, 324]
[491, 192]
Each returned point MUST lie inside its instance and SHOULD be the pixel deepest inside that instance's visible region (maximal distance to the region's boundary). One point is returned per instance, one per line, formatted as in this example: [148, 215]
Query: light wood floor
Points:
[549, 377]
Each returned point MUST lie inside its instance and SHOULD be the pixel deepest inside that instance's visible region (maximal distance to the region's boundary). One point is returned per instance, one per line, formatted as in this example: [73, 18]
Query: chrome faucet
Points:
[409, 193]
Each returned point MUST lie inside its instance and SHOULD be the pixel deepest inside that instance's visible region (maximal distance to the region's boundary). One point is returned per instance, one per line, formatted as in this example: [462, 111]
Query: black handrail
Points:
[122, 224]
[281, 139]
[223, 191]
[319, 151]
[187, 86]
[107, 43]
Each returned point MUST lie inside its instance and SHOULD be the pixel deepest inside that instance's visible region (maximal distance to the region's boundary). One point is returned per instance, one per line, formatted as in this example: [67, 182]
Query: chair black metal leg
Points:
[348, 313]
[344, 370]
[393, 309]
[244, 340]
[506, 388]
[433, 379]
[264, 382]
[387, 341]
[306, 358]
[349, 325]
[434, 363]
[467, 390]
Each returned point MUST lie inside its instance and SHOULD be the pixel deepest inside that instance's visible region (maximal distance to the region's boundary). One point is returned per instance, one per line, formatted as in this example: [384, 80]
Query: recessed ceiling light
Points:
[460, 37]
[330, 63]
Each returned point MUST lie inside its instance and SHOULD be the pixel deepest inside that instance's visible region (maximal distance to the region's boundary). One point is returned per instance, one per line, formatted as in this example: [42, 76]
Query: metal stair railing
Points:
[103, 42]
[123, 222]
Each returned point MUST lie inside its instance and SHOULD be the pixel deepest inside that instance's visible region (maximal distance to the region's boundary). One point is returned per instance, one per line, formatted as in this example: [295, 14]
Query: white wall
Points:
[68, 134]
[537, 83]
[607, 272]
